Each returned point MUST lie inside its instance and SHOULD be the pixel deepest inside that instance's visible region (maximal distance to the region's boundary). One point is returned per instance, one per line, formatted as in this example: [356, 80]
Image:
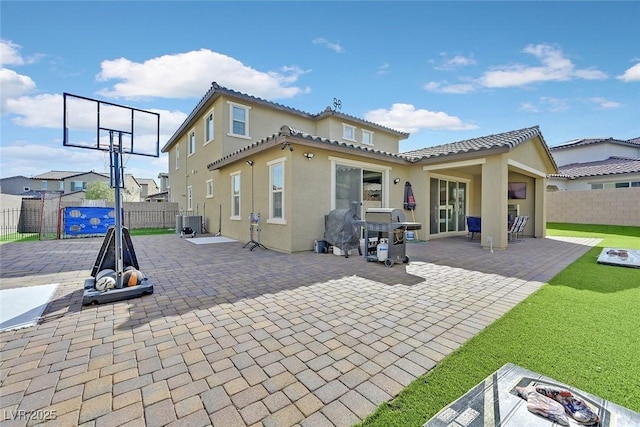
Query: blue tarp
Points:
[88, 221]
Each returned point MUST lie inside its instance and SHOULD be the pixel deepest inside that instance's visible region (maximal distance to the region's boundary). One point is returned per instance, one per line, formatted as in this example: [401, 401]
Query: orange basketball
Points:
[131, 277]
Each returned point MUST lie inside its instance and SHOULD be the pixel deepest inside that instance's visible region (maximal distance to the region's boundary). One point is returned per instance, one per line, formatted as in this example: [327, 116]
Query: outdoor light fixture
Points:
[397, 180]
[309, 156]
[285, 145]
[250, 162]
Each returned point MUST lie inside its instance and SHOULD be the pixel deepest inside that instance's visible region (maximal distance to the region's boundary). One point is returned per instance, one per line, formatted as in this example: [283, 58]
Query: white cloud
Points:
[455, 62]
[190, 74]
[336, 47]
[9, 53]
[529, 107]
[545, 104]
[445, 87]
[406, 118]
[383, 69]
[13, 85]
[631, 75]
[555, 67]
[605, 104]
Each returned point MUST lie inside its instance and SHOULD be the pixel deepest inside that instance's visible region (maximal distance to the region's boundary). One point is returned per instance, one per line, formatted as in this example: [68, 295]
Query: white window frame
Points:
[277, 162]
[177, 157]
[385, 170]
[44, 185]
[344, 132]
[209, 185]
[236, 216]
[61, 185]
[190, 198]
[247, 109]
[209, 121]
[370, 134]
[191, 143]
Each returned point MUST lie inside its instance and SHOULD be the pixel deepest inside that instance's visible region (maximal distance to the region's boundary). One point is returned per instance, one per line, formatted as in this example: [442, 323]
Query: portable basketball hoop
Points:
[98, 125]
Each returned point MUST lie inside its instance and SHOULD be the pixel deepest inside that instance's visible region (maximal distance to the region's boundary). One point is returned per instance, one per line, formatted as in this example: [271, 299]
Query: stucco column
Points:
[540, 230]
[494, 202]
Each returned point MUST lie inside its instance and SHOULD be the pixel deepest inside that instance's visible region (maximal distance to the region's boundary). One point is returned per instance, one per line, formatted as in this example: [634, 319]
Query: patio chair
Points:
[473, 226]
[517, 227]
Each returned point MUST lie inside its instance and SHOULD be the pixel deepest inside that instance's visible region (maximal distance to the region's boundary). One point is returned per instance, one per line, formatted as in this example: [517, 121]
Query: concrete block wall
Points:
[612, 206]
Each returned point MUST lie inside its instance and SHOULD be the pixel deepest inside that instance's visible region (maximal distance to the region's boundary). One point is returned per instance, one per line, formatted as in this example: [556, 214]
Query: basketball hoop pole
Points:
[116, 174]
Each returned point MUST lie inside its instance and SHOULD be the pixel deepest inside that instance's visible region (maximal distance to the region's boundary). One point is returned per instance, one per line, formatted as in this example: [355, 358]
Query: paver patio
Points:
[233, 337]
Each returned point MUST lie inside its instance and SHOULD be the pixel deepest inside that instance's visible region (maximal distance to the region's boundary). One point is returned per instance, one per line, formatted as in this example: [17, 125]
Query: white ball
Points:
[105, 283]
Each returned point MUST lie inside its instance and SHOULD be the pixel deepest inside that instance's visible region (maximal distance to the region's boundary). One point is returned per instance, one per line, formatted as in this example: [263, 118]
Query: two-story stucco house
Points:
[237, 154]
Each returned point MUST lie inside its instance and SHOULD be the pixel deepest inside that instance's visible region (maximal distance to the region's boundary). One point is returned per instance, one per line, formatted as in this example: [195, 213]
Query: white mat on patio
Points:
[22, 307]
[209, 240]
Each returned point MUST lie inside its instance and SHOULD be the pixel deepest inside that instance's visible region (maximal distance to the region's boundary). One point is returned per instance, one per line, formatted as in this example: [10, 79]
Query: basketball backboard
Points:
[94, 124]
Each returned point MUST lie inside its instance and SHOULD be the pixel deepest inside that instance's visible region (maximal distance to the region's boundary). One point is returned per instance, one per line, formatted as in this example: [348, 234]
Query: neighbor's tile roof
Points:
[57, 175]
[508, 140]
[590, 141]
[611, 166]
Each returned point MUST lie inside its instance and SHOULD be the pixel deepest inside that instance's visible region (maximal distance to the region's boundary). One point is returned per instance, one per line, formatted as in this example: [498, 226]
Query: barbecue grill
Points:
[389, 224]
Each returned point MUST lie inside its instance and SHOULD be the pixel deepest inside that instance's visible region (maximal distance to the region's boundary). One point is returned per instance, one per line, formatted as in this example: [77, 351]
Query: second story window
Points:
[239, 124]
[44, 185]
[77, 185]
[191, 143]
[208, 128]
[367, 137]
[348, 132]
[177, 157]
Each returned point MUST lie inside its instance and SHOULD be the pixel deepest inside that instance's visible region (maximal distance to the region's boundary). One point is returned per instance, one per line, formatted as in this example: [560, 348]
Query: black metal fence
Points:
[27, 223]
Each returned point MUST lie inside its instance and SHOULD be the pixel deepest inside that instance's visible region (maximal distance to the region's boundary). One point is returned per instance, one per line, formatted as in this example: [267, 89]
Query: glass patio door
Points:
[355, 185]
[448, 206]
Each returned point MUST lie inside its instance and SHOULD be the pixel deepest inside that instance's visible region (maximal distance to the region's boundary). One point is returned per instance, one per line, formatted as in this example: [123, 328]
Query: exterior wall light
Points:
[396, 180]
[309, 156]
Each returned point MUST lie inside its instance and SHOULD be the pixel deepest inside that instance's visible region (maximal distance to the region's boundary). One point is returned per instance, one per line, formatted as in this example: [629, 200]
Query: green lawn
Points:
[26, 237]
[583, 329]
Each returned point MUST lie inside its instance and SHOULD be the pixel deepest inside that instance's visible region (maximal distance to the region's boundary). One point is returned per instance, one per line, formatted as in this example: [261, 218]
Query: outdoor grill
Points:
[389, 226]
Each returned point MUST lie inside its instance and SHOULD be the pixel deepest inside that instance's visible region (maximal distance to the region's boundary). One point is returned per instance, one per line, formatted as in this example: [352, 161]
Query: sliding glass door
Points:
[358, 186]
[448, 206]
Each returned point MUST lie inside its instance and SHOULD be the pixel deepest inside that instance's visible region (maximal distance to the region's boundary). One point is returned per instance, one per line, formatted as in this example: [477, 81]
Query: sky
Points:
[442, 71]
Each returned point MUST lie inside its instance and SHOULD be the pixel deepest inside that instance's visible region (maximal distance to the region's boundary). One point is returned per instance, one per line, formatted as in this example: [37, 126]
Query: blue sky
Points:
[443, 71]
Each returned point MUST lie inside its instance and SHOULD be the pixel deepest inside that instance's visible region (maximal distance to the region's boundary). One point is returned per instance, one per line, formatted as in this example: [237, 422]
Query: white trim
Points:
[279, 160]
[370, 133]
[239, 216]
[448, 177]
[346, 125]
[192, 131]
[526, 168]
[177, 156]
[247, 134]
[190, 198]
[369, 166]
[206, 129]
[270, 219]
[206, 183]
[450, 165]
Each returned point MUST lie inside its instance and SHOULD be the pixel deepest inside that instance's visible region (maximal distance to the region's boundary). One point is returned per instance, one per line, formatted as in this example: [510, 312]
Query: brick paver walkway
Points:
[238, 338]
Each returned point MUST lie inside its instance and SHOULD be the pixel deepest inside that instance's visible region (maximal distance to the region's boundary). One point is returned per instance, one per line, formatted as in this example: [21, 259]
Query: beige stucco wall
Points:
[618, 206]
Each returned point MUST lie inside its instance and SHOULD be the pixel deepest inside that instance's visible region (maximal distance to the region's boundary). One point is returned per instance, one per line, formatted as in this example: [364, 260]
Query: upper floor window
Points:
[209, 188]
[239, 125]
[61, 185]
[78, 185]
[191, 142]
[44, 185]
[348, 132]
[177, 157]
[367, 137]
[208, 128]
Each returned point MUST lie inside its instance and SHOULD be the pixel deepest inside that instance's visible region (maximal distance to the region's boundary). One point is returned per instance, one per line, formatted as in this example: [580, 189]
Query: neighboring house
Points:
[132, 189]
[147, 186]
[66, 181]
[592, 164]
[15, 185]
[238, 154]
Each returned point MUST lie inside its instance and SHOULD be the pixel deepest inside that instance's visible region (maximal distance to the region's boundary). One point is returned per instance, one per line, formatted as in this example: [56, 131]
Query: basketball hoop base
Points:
[94, 296]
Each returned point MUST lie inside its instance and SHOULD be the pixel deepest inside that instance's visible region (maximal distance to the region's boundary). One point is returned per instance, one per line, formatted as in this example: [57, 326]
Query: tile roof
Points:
[611, 166]
[58, 175]
[286, 131]
[507, 140]
[216, 89]
[590, 141]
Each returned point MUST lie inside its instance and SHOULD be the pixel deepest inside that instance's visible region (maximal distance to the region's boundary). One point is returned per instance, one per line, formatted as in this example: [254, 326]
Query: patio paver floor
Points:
[233, 337]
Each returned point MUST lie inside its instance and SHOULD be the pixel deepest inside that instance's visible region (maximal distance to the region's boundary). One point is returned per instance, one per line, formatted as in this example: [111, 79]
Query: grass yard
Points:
[583, 329]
